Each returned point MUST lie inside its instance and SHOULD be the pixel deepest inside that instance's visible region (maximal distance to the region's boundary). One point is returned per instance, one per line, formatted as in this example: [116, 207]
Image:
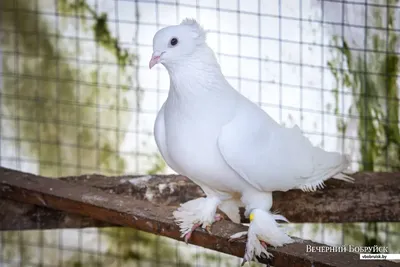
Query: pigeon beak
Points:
[155, 59]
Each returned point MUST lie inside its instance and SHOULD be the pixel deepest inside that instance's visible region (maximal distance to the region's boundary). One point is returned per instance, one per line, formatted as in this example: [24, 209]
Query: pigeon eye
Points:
[173, 41]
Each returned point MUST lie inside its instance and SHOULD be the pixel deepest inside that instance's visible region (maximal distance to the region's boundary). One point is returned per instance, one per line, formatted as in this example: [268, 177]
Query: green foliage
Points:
[159, 166]
[375, 97]
[56, 100]
[376, 102]
[60, 106]
[101, 32]
[64, 105]
[132, 246]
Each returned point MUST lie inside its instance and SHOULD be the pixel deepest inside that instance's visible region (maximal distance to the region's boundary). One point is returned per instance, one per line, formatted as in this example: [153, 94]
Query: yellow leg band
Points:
[251, 217]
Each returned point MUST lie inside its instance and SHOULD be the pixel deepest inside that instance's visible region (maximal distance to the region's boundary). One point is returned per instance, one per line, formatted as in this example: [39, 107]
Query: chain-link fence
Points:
[77, 97]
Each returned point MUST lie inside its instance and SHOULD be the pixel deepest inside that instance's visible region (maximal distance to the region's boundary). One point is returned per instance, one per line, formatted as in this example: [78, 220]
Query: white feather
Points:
[265, 228]
[196, 211]
[222, 141]
[202, 34]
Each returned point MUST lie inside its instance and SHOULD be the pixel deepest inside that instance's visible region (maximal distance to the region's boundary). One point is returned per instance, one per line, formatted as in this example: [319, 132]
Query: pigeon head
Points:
[174, 44]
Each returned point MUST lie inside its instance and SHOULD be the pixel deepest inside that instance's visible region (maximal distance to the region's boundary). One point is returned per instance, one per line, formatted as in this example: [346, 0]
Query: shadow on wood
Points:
[75, 198]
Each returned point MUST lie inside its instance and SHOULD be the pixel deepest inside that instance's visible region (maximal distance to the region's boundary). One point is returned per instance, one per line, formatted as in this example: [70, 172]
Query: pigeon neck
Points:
[199, 73]
[196, 80]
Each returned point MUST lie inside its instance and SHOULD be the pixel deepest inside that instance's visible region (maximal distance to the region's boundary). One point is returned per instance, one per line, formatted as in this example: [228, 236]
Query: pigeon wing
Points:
[271, 157]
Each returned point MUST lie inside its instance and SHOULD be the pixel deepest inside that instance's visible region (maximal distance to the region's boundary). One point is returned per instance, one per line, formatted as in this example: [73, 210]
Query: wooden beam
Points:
[373, 194]
[166, 189]
[153, 218]
[373, 197]
[16, 216]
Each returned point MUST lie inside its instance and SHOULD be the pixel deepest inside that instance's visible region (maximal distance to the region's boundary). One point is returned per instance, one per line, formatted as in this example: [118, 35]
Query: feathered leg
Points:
[263, 228]
[230, 207]
[196, 213]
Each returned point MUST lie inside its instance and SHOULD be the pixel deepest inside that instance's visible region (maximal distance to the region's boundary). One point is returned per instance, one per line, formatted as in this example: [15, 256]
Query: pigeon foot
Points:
[195, 213]
[217, 217]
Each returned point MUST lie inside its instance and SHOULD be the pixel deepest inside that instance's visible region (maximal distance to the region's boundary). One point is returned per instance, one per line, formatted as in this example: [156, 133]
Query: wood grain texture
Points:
[373, 197]
[143, 215]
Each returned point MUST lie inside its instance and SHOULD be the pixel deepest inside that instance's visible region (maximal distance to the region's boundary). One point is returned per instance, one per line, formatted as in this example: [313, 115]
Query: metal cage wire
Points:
[77, 97]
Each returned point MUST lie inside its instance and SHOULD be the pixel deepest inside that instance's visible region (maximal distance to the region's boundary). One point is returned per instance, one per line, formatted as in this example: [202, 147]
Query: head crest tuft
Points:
[201, 33]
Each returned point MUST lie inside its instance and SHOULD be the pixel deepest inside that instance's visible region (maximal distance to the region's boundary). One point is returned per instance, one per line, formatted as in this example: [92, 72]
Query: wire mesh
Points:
[77, 97]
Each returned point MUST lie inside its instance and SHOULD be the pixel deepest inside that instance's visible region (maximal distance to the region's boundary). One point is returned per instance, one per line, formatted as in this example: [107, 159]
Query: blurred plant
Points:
[53, 100]
[101, 32]
[65, 113]
[371, 77]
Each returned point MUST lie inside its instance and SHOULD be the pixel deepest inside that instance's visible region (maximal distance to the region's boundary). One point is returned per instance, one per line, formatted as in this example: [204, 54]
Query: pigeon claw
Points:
[218, 217]
[243, 236]
[189, 234]
[264, 244]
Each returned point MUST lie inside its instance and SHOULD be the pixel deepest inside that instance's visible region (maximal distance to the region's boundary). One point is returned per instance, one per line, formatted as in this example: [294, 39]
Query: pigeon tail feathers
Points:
[328, 170]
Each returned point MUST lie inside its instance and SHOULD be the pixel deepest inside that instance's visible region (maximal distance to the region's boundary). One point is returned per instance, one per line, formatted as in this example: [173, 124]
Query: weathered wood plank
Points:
[153, 218]
[15, 215]
[373, 197]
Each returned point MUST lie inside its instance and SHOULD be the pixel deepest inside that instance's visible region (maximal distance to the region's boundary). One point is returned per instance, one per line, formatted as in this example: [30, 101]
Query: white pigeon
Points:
[229, 146]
